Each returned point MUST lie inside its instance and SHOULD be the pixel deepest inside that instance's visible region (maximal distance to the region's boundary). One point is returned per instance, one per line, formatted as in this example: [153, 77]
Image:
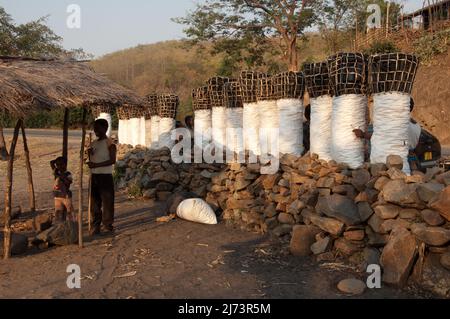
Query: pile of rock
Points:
[151, 174]
[373, 215]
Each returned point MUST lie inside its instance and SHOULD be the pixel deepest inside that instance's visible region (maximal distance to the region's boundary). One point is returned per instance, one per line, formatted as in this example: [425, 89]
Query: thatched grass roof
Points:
[30, 85]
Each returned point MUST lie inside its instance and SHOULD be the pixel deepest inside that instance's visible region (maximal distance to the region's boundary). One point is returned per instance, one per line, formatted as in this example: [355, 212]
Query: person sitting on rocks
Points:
[102, 156]
[306, 129]
[61, 190]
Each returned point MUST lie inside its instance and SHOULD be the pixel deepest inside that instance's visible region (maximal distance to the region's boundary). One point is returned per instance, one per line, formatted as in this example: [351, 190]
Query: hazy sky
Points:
[111, 25]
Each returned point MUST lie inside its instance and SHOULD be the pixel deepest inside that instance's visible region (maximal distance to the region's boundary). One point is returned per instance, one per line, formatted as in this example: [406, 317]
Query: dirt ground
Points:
[146, 259]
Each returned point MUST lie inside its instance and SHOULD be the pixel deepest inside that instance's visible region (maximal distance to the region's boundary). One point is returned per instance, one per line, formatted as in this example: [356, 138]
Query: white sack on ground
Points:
[135, 130]
[155, 131]
[148, 133]
[219, 128]
[196, 210]
[320, 127]
[142, 133]
[108, 118]
[166, 126]
[202, 128]
[251, 128]
[291, 126]
[349, 113]
[391, 117]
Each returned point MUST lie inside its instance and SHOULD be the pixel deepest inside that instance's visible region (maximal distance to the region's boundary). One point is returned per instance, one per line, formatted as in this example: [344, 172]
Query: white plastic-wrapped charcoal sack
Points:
[251, 128]
[123, 132]
[349, 113]
[135, 131]
[148, 133]
[320, 128]
[155, 131]
[166, 126]
[198, 211]
[219, 129]
[202, 128]
[291, 126]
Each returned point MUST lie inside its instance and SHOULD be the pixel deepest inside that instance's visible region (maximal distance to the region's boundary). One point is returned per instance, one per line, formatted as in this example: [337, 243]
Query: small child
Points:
[61, 190]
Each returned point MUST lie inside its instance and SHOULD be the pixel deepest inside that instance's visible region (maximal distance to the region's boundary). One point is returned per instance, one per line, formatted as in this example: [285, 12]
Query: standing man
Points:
[102, 157]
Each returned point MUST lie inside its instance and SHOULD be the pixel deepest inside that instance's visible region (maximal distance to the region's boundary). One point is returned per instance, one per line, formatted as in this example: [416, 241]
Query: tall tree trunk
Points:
[29, 171]
[8, 193]
[293, 55]
[3, 150]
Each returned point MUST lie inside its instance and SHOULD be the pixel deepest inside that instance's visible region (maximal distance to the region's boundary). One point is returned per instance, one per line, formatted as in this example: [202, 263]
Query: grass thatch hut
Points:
[31, 85]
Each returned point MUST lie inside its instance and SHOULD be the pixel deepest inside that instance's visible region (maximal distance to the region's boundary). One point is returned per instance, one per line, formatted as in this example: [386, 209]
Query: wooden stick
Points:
[80, 187]
[90, 191]
[29, 171]
[8, 193]
[65, 150]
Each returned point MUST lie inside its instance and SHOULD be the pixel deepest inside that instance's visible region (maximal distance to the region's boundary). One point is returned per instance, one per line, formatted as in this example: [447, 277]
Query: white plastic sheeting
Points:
[108, 118]
[155, 131]
[320, 127]
[251, 128]
[123, 132]
[148, 133]
[166, 126]
[349, 113]
[135, 131]
[235, 138]
[142, 135]
[202, 128]
[219, 126]
[391, 118]
[291, 126]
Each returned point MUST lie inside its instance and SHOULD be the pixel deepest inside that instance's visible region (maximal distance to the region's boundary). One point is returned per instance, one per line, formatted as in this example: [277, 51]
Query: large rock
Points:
[429, 191]
[321, 246]
[400, 193]
[347, 247]
[19, 244]
[394, 161]
[240, 204]
[352, 287]
[387, 211]
[284, 218]
[340, 207]
[303, 237]
[241, 183]
[398, 257]
[270, 181]
[442, 205]
[445, 260]
[61, 234]
[432, 218]
[360, 178]
[432, 276]
[329, 225]
[365, 211]
[433, 236]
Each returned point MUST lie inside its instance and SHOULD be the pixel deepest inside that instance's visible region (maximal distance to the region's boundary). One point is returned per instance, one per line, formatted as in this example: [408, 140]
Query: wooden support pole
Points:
[89, 192]
[4, 156]
[65, 150]
[29, 171]
[8, 193]
[80, 185]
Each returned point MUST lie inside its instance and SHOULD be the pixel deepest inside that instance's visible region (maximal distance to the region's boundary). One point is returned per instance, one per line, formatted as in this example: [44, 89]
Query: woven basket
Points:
[151, 107]
[348, 73]
[317, 79]
[265, 89]
[215, 90]
[289, 85]
[122, 112]
[98, 109]
[248, 82]
[200, 99]
[168, 105]
[135, 112]
[233, 96]
[392, 72]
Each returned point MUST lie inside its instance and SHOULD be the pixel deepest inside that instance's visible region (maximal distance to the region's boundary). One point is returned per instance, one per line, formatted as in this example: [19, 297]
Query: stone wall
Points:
[373, 215]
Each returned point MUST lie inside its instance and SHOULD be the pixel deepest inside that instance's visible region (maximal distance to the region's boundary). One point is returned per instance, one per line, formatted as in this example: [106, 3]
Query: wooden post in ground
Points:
[89, 193]
[4, 156]
[65, 150]
[29, 171]
[8, 193]
[80, 182]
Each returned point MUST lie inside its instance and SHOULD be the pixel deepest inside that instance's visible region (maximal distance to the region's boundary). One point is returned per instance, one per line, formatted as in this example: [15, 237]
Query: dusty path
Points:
[172, 260]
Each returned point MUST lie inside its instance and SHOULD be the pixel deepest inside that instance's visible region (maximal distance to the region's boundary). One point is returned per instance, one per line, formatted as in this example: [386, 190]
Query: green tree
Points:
[246, 29]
